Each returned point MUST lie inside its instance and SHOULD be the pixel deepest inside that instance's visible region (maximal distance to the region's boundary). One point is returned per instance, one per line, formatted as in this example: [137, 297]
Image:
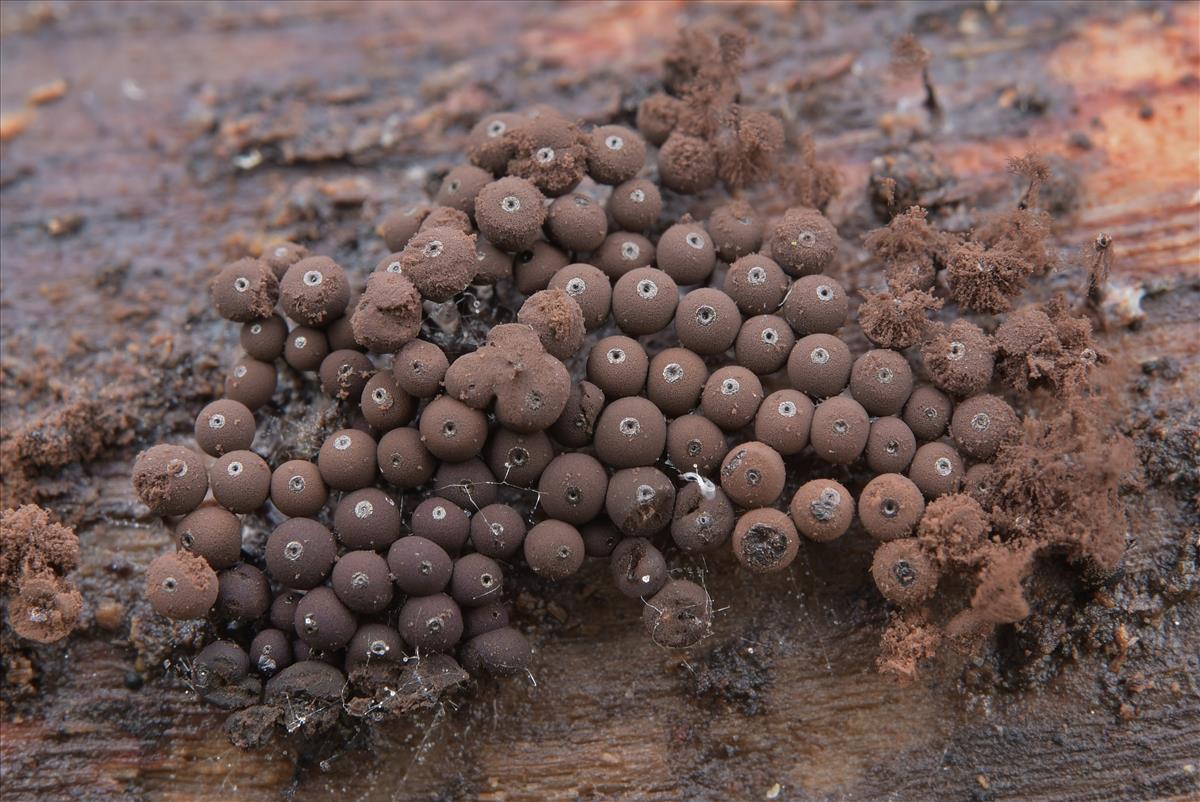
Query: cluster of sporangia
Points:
[514, 459]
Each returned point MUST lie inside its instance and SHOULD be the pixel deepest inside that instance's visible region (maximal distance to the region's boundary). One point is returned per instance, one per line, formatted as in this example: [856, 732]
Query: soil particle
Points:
[733, 675]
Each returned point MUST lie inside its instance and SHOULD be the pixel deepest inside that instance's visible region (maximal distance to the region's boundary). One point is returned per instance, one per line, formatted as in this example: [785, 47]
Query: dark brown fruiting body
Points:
[819, 365]
[263, 339]
[937, 469]
[804, 242]
[765, 540]
[618, 366]
[510, 213]
[576, 223]
[731, 397]
[707, 321]
[252, 382]
[476, 580]
[389, 313]
[366, 519]
[701, 523]
[492, 265]
[927, 412]
[212, 533]
[657, 115]
[890, 506]
[270, 652]
[283, 611]
[840, 429]
[344, 374]
[640, 501]
[243, 594]
[533, 267]
[638, 569]
[440, 262]
[485, 618]
[443, 522]
[451, 430]
[903, 573]
[181, 585]
[374, 644]
[600, 537]
[468, 484]
[816, 304]
[399, 226]
[959, 358]
[323, 622]
[753, 475]
[977, 481]
[756, 284]
[550, 152]
[519, 459]
[504, 652]
[687, 164]
[240, 481]
[784, 421]
[590, 288]
[736, 230]
[488, 145]
[362, 581]
[577, 423]
[558, 320]
[305, 348]
[980, 424]
[460, 187]
[403, 459]
[218, 665]
[497, 531]
[314, 291]
[631, 432]
[347, 459]
[170, 480]
[245, 290]
[419, 566]
[530, 387]
[340, 333]
[297, 489]
[572, 488]
[694, 443]
[300, 553]
[686, 253]
[881, 381]
[763, 344]
[890, 445]
[614, 154]
[282, 255]
[635, 205]
[623, 251]
[309, 679]
[554, 550]
[679, 615]
[384, 405]
[431, 623]
[644, 301]
[419, 368]
[675, 380]
[447, 217]
[822, 510]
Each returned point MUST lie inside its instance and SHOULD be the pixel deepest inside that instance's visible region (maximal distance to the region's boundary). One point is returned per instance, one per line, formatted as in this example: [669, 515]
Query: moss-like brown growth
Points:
[896, 320]
[35, 555]
[1043, 345]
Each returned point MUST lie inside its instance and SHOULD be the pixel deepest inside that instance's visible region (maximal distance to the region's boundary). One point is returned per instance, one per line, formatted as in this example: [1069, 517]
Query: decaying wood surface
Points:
[143, 144]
